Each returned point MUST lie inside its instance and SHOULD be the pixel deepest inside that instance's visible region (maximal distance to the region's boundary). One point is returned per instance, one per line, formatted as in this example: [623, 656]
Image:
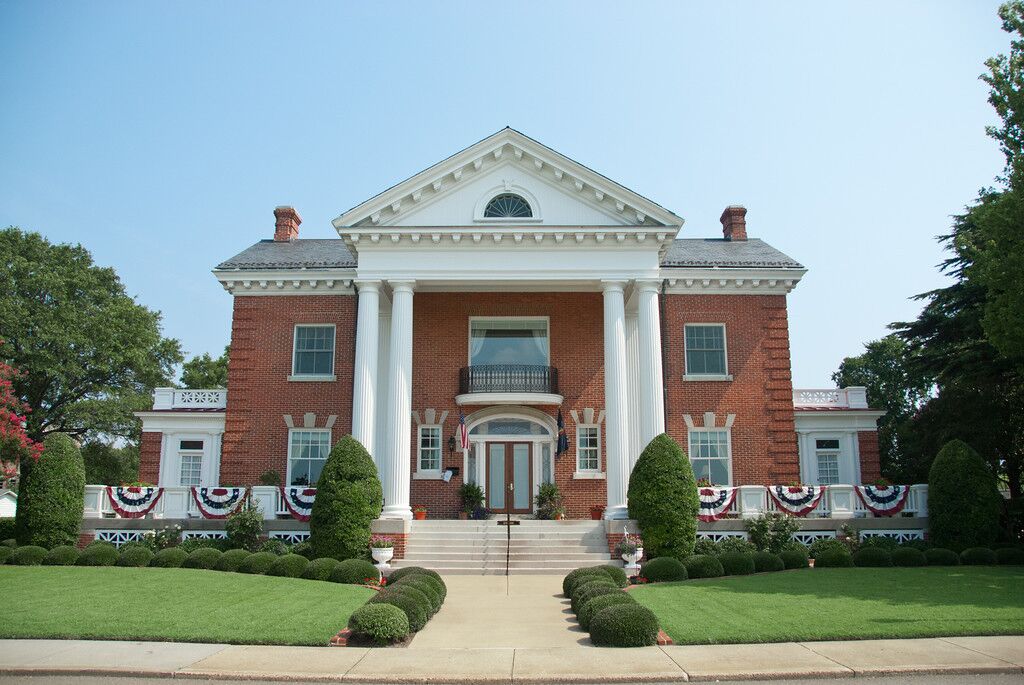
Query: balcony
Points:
[165, 399]
[508, 384]
[831, 398]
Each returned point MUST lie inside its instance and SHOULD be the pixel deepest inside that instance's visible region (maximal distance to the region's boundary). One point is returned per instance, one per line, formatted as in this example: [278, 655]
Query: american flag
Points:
[463, 433]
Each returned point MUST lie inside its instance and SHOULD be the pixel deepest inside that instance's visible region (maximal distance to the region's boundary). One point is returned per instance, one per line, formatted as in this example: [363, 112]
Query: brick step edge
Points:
[341, 639]
[664, 639]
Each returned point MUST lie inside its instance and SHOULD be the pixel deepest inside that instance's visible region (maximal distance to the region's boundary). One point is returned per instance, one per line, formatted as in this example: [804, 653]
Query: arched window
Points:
[507, 206]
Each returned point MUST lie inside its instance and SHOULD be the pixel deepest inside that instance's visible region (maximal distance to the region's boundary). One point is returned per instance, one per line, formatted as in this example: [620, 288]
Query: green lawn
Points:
[182, 605]
[839, 603]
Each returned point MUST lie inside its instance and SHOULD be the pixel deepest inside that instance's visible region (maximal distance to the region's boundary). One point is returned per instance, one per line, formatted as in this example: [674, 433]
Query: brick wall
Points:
[870, 458]
[149, 457]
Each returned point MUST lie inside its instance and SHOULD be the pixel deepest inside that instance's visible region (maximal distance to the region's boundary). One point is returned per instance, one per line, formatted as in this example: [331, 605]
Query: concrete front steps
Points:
[478, 547]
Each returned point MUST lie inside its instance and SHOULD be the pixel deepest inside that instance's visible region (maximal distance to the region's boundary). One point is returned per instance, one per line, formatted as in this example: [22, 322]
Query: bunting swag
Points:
[887, 501]
[299, 501]
[133, 502]
[798, 501]
[218, 503]
[715, 502]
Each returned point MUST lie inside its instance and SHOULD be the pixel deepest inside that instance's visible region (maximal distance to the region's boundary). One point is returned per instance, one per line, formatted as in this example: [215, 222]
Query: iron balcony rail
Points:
[508, 378]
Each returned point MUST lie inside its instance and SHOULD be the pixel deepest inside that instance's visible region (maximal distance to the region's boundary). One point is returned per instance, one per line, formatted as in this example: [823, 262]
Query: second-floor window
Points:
[504, 341]
[705, 350]
[314, 350]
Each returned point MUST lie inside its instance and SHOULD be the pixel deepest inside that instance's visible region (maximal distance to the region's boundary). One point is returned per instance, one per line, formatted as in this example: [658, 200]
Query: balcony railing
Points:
[831, 398]
[177, 503]
[508, 378]
[176, 398]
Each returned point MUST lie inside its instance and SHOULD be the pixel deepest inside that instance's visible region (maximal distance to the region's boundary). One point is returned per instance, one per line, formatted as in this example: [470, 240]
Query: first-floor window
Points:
[429, 452]
[709, 455]
[307, 452]
[827, 454]
[190, 455]
[588, 448]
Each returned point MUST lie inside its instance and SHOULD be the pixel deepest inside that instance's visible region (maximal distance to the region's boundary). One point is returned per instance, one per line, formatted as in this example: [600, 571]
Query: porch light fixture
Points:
[451, 444]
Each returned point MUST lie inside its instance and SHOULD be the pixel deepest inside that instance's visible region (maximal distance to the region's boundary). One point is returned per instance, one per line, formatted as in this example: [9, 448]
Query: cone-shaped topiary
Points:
[663, 499]
[348, 498]
[51, 496]
[963, 502]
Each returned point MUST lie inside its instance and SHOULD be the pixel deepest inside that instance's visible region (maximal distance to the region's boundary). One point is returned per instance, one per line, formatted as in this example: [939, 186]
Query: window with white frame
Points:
[428, 455]
[826, 452]
[705, 349]
[709, 455]
[307, 452]
[588, 448]
[190, 457]
[314, 350]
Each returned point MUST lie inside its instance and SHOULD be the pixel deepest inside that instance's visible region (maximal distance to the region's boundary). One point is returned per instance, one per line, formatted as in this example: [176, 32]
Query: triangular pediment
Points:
[560, 191]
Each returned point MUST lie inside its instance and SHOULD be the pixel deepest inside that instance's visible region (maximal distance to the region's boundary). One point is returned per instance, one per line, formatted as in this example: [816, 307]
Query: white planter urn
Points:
[632, 561]
[382, 555]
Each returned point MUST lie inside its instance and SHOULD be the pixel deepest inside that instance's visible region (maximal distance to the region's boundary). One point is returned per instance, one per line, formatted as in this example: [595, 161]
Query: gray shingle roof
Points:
[704, 252]
[311, 253]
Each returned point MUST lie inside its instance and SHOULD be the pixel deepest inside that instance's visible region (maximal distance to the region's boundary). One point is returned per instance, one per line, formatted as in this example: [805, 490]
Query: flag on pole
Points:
[463, 433]
[563, 441]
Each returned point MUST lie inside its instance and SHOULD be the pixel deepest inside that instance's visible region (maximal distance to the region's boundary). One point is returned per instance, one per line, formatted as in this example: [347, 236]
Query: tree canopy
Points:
[204, 371]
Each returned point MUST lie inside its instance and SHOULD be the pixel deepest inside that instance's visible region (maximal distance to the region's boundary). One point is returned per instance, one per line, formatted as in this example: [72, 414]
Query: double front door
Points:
[509, 477]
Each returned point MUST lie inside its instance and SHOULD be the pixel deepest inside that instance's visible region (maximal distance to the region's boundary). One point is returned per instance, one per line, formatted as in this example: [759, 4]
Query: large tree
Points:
[90, 354]
[204, 371]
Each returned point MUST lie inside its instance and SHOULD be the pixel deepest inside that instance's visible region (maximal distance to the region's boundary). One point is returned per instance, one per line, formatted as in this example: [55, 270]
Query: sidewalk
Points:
[515, 665]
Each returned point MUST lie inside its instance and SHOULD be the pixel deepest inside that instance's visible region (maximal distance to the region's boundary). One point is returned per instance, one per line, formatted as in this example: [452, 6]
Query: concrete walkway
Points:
[516, 665]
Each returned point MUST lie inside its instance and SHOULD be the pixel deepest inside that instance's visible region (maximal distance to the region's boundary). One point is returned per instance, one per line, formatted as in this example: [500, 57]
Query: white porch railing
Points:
[838, 502]
[854, 397]
[177, 503]
[176, 398]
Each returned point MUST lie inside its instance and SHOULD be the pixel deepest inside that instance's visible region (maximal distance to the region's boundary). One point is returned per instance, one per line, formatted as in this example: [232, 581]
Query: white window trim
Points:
[584, 474]
[288, 468]
[295, 351]
[469, 331]
[429, 474]
[687, 376]
[728, 447]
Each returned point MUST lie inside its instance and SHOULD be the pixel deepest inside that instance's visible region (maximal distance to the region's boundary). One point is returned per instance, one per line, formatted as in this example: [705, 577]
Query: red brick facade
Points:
[870, 459]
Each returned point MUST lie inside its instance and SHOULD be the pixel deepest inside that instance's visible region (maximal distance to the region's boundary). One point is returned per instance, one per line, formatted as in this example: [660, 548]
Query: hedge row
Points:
[410, 598]
[669, 569]
[611, 616]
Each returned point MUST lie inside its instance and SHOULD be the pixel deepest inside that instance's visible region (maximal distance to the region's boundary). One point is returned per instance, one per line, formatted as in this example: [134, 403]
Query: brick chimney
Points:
[734, 222]
[287, 225]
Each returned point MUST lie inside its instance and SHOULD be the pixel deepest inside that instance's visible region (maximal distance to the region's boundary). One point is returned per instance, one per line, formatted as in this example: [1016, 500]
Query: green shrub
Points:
[5, 553]
[28, 555]
[624, 625]
[822, 544]
[616, 574]
[835, 557]
[703, 566]
[189, 545]
[202, 558]
[771, 531]
[1010, 556]
[98, 554]
[794, 558]
[411, 601]
[570, 580]
[304, 548]
[354, 572]
[172, 557]
[737, 563]
[436, 585]
[51, 495]
[978, 556]
[872, 557]
[380, 624]
[964, 504]
[274, 546]
[908, 556]
[427, 587]
[135, 556]
[64, 555]
[288, 566]
[940, 556]
[766, 562]
[7, 528]
[400, 573]
[663, 499]
[588, 591]
[663, 570]
[596, 604]
[320, 569]
[231, 559]
[348, 499]
[258, 563]
[9, 542]
[735, 544]
[706, 546]
[880, 541]
[244, 528]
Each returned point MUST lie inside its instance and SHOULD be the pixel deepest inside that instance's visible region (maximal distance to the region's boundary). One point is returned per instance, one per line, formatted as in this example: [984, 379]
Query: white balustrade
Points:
[854, 397]
[189, 398]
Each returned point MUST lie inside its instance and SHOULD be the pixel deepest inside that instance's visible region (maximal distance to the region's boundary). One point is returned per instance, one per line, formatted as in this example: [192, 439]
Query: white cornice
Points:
[731, 281]
[287, 281]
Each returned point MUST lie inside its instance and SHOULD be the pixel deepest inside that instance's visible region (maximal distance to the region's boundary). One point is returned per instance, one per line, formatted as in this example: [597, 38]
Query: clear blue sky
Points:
[161, 135]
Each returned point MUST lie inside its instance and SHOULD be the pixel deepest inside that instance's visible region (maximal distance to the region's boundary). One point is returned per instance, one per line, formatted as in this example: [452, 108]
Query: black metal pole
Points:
[508, 537]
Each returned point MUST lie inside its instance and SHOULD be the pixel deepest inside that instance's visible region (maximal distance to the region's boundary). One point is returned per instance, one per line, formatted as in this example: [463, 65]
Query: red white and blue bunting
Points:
[715, 502]
[298, 501]
[133, 502]
[797, 500]
[218, 503]
[884, 501]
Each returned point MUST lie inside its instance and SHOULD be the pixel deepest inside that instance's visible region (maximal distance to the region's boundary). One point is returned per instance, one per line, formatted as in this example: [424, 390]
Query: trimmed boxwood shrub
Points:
[436, 584]
[963, 501]
[320, 569]
[872, 557]
[1010, 556]
[274, 546]
[231, 560]
[6, 527]
[51, 495]
[348, 499]
[411, 601]
[354, 572]
[98, 554]
[258, 563]
[834, 557]
[703, 566]
[737, 563]
[427, 587]
[596, 580]
[172, 557]
[766, 562]
[908, 556]
[596, 604]
[617, 575]
[29, 555]
[380, 624]
[624, 625]
[203, 558]
[9, 542]
[664, 570]
[189, 545]
[940, 556]
[570, 580]
[65, 555]
[5, 553]
[289, 566]
[978, 556]
[588, 591]
[883, 541]
[822, 544]
[794, 558]
[662, 498]
[135, 556]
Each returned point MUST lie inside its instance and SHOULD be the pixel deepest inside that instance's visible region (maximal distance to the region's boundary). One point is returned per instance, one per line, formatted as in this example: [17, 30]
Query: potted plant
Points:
[597, 511]
[480, 514]
[631, 549]
[549, 502]
[558, 513]
[382, 547]
[419, 512]
[472, 496]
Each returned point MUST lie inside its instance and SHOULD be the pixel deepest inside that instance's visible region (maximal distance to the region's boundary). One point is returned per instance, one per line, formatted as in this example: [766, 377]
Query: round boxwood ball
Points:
[135, 556]
[203, 558]
[433, 580]
[833, 557]
[410, 600]
[703, 566]
[5, 553]
[354, 572]
[908, 556]
[737, 563]
[596, 580]
[624, 625]
[978, 556]
[398, 573]
[940, 556]
[574, 576]
[588, 591]
[289, 566]
[874, 557]
[27, 555]
[1010, 556]
[380, 624]
[231, 560]
[766, 562]
[98, 554]
[172, 557]
[596, 604]
[258, 563]
[664, 570]
[794, 558]
[616, 574]
[426, 586]
[320, 569]
[65, 555]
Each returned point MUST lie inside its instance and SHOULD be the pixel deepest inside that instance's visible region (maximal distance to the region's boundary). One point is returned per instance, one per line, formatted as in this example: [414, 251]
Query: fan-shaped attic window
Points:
[507, 206]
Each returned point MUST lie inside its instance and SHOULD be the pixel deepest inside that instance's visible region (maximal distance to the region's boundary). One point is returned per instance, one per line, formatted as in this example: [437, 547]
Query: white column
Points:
[652, 401]
[616, 447]
[364, 385]
[395, 467]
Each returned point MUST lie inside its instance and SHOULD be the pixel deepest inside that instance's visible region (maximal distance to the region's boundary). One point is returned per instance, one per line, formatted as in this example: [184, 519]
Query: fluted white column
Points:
[396, 469]
[652, 400]
[616, 446]
[364, 384]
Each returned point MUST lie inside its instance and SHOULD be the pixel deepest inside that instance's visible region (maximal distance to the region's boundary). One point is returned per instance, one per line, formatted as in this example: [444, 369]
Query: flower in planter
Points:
[420, 509]
[629, 544]
[381, 541]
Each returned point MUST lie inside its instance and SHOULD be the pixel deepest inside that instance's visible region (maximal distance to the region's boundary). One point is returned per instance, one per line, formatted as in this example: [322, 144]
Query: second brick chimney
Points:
[734, 222]
[287, 224]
